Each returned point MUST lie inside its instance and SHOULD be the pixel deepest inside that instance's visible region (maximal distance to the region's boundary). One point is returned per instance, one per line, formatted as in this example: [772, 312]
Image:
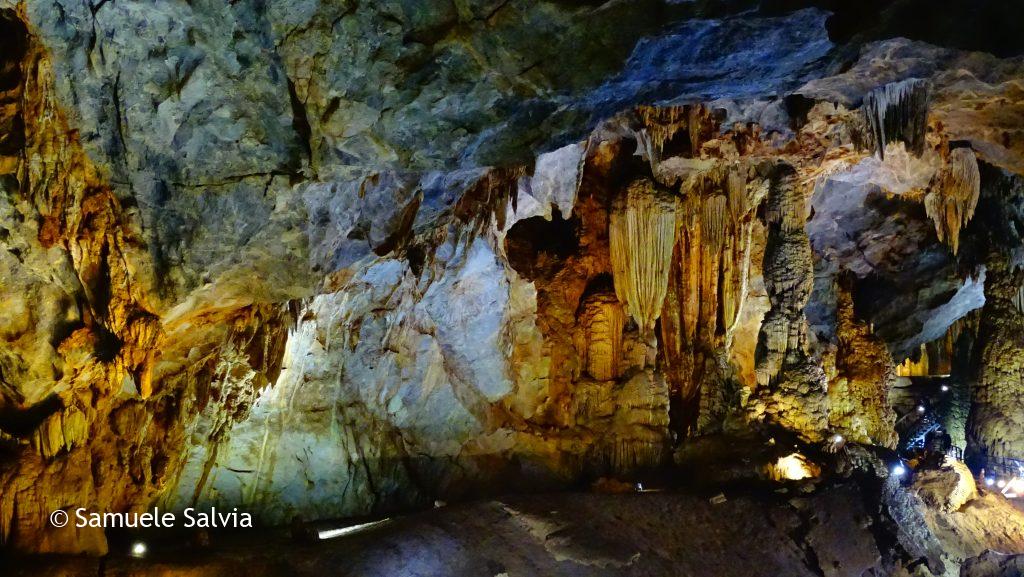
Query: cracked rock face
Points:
[321, 259]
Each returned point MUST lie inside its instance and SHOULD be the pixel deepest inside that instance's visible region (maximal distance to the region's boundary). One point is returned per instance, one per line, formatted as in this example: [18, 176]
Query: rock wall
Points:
[305, 258]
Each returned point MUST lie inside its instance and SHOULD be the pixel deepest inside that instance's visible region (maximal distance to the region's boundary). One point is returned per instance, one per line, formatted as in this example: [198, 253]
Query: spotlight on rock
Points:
[139, 549]
[793, 467]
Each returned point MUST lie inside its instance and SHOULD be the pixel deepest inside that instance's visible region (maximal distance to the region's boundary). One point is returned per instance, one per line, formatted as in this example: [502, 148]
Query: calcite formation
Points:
[898, 111]
[331, 259]
[602, 321]
[642, 233]
[952, 205]
[707, 286]
[865, 374]
[996, 426]
[791, 387]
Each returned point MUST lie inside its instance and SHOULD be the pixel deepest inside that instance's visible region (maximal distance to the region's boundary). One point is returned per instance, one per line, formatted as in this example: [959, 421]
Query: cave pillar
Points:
[996, 422]
[791, 386]
[865, 373]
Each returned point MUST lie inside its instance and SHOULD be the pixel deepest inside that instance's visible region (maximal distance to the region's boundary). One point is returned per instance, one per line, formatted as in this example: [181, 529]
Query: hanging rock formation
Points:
[330, 259]
[642, 233]
[707, 286]
[952, 205]
[898, 112]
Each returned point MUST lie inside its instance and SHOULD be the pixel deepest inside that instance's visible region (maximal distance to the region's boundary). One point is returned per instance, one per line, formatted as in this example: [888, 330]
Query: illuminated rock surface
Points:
[331, 259]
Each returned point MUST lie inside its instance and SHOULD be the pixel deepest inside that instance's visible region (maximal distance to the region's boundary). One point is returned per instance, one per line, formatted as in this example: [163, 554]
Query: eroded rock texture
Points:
[321, 259]
[792, 387]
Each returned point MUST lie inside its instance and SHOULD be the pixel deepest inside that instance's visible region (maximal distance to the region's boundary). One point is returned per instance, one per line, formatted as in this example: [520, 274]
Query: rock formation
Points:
[642, 232]
[791, 386]
[331, 259]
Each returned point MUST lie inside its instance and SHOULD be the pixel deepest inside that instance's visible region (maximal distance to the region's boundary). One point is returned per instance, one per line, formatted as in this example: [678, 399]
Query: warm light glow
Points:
[332, 533]
[794, 467]
[139, 549]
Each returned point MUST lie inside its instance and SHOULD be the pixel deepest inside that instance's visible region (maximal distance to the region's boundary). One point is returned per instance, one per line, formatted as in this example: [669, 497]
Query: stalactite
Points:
[898, 111]
[488, 200]
[642, 233]
[707, 282]
[602, 322]
[646, 150]
[736, 189]
[701, 126]
[7, 511]
[626, 456]
[59, 432]
[662, 123]
[952, 201]
[713, 220]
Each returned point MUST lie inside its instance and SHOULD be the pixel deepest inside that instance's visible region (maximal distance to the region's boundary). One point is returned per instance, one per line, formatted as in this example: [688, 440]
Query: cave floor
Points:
[579, 534]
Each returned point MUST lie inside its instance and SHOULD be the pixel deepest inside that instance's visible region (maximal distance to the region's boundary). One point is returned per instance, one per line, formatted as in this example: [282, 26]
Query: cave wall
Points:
[330, 259]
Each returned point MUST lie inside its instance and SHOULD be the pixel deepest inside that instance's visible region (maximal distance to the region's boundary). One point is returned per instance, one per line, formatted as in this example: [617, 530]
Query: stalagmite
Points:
[912, 367]
[858, 395]
[996, 423]
[952, 202]
[642, 232]
[791, 385]
[602, 321]
[898, 111]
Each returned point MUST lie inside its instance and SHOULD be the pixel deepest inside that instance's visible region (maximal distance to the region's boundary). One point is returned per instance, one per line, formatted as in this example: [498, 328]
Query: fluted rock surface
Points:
[321, 259]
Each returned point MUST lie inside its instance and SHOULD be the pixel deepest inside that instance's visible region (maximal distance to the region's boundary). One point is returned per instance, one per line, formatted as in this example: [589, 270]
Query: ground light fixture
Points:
[342, 531]
[139, 549]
